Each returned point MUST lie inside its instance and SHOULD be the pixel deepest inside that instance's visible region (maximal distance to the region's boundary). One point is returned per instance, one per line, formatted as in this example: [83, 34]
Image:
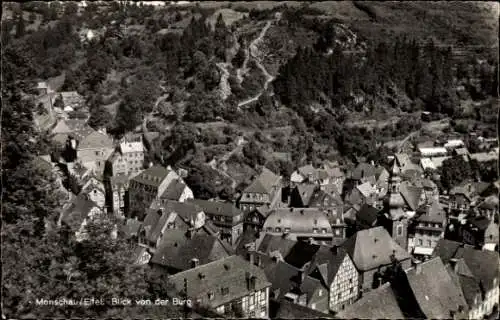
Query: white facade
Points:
[344, 289]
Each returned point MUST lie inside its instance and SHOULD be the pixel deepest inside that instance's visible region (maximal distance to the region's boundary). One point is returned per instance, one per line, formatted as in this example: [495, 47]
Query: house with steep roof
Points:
[329, 197]
[436, 294]
[372, 251]
[274, 246]
[477, 273]
[299, 224]
[93, 151]
[289, 310]
[301, 195]
[363, 193]
[480, 230]
[78, 213]
[129, 158]
[487, 207]
[265, 190]
[380, 303]
[225, 216]
[226, 285]
[428, 228]
[71, 99]
[177, 190]
[364, 218]
[336, 270]
[95, 190]
[406, 166]
[148, 186]
[254, 219]
[294, 285]
[180, 250]
[464, 195]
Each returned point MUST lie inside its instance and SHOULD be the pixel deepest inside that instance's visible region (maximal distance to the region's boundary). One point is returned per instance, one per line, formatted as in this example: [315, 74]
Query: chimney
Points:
[251, 256]
[454, 264]
[418, 267]
[335, 249]
[194, 262]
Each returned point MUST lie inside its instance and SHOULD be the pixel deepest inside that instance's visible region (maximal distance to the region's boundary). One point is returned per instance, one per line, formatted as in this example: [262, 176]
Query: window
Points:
[429, 243]
[278, 229]
[350, 280]
[350, 290]
[313, 306]
[324, 230]
[224, 291]
[320, 292]
[315, 230]
[210, 295]
[337, 232]
[400, 230]
[288, 230]
[97, 153]
[339, 296]
[419, 242]
[263, 309]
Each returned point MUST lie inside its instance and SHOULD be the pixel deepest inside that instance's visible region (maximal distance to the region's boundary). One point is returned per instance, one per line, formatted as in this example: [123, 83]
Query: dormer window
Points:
[315, 230]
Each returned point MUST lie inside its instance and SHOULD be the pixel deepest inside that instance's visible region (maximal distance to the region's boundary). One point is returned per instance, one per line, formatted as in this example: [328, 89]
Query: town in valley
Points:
[250, 159]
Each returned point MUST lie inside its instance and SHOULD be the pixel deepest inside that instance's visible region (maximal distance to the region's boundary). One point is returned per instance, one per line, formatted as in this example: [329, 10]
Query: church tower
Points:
[397, 220]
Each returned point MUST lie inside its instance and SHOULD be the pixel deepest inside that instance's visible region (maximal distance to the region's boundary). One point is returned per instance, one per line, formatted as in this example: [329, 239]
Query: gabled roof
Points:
[174, 190]
[247, 239]
[136, 146]
[281, 275]
[434, 289]
[447, 249]
[479, 222]
[372, 248]
[326, 262]
[96, 140]
[380, 303]
[363, 170]
[271, 243]
[321, 198]
[301, 254]
[366, 189]
[176, 249]
[79, 210]
[305, 192]
[153, 176]
[367, 215]
[217, 207]
[131, 228]
[483, 264]
[289, 310]
[264, 182]
[230, 273]
[185, 210]
[411, 194]
[433, 213]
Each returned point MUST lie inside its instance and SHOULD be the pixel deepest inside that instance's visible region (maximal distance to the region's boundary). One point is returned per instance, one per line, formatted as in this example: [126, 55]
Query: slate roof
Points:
[264, 182]
[411, 194]
[305, 192]
[447, 249]
[327, 262]
[230, 273]
[152, 176]
[299, 220]
[248, 237]
[289, 310]
[434, 289]
[280, 274]
[321, 198]
[367, 215]
[483, 264]
[185, 210]
[130, 228]
[372, 248]
[366, 189]
[174, 190]
[479, 222]
[380, 303]
[79, 209]
[301, 254]
[433, 213]
[96, 140]
[217, 207]
[176, 249]
[363, 170]
[271, 243]
[136, 146]
[470, 289]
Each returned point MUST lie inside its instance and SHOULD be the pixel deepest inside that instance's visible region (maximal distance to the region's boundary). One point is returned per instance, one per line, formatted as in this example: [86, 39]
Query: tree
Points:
[99, 117]
[454, 171]
[253, 152]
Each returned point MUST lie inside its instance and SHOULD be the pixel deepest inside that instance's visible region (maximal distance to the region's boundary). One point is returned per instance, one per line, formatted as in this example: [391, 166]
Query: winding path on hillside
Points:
[254, 54]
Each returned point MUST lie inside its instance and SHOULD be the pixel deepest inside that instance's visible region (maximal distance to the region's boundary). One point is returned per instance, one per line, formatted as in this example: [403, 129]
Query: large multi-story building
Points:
[299, 224]
[149, 185]
[128, 159]
[229, 286]
[428, 228]
[93, 151]
[265, 190]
